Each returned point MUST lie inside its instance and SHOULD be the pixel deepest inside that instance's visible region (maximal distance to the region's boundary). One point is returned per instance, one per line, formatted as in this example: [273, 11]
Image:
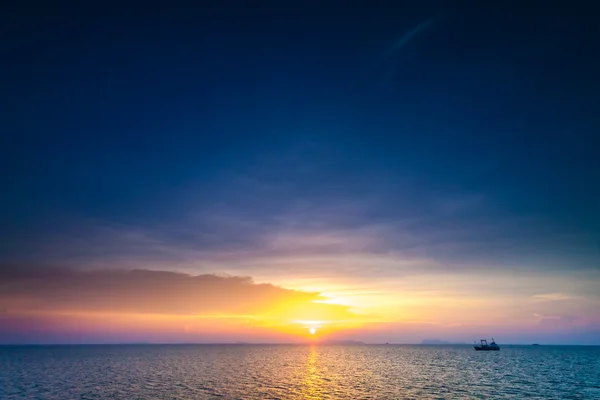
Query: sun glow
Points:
[293, 316]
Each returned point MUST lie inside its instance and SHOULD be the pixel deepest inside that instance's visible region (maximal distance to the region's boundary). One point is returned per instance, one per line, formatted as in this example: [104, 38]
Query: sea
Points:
[241, 371]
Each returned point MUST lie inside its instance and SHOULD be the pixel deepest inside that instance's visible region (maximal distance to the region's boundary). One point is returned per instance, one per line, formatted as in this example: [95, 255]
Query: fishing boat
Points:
[484, 346]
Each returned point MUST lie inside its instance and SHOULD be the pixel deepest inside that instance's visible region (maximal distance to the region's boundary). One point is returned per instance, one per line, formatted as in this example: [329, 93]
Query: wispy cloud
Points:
[344, 236]
[311, 219]
[546, 317]
[403, 40]
[553, 297]
[389, 59]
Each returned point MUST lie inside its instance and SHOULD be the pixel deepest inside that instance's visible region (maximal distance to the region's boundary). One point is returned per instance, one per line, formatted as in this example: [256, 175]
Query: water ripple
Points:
[298, 372]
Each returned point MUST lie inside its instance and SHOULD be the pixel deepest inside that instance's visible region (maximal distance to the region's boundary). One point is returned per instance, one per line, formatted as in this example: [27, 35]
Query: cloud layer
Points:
[139, 291]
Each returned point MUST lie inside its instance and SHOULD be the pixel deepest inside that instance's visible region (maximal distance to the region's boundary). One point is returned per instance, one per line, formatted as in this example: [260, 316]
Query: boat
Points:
[484, 346]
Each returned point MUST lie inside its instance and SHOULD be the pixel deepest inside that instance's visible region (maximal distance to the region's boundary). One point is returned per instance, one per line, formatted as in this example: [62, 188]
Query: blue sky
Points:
[308, 146]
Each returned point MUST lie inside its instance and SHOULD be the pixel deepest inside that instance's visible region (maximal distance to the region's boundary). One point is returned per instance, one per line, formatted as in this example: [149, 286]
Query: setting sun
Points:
[312, 331]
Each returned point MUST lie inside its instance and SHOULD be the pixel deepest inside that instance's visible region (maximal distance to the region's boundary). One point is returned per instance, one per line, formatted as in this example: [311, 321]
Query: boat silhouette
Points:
[484, 346]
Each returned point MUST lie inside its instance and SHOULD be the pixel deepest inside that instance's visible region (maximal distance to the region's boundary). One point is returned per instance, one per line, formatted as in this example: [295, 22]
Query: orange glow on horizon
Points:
[193, 310]
[295, 318]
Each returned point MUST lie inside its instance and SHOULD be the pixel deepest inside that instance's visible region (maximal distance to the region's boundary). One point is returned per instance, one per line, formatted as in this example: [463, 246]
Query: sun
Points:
[312, 331]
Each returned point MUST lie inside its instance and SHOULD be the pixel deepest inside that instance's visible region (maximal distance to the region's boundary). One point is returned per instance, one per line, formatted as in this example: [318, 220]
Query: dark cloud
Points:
[137, 291]
[454, 231]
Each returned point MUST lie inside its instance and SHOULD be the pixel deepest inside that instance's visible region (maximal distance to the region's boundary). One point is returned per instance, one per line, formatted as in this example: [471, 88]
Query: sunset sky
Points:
[385, 173]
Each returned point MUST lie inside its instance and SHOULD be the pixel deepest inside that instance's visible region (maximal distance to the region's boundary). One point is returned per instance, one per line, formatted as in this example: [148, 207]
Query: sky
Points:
[293, 171]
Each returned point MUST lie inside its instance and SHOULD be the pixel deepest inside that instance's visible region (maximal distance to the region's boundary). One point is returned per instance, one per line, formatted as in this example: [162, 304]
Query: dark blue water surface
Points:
[298, 372]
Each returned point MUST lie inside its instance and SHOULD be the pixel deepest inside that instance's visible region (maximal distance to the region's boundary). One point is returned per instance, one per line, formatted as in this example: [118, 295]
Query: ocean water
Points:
[298, 372]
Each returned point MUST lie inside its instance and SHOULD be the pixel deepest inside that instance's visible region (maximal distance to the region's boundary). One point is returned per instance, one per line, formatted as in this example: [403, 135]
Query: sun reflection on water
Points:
[312, 382]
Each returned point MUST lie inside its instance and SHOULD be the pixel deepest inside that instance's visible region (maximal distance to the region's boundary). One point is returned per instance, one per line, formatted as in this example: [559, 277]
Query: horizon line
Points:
[354, 343]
